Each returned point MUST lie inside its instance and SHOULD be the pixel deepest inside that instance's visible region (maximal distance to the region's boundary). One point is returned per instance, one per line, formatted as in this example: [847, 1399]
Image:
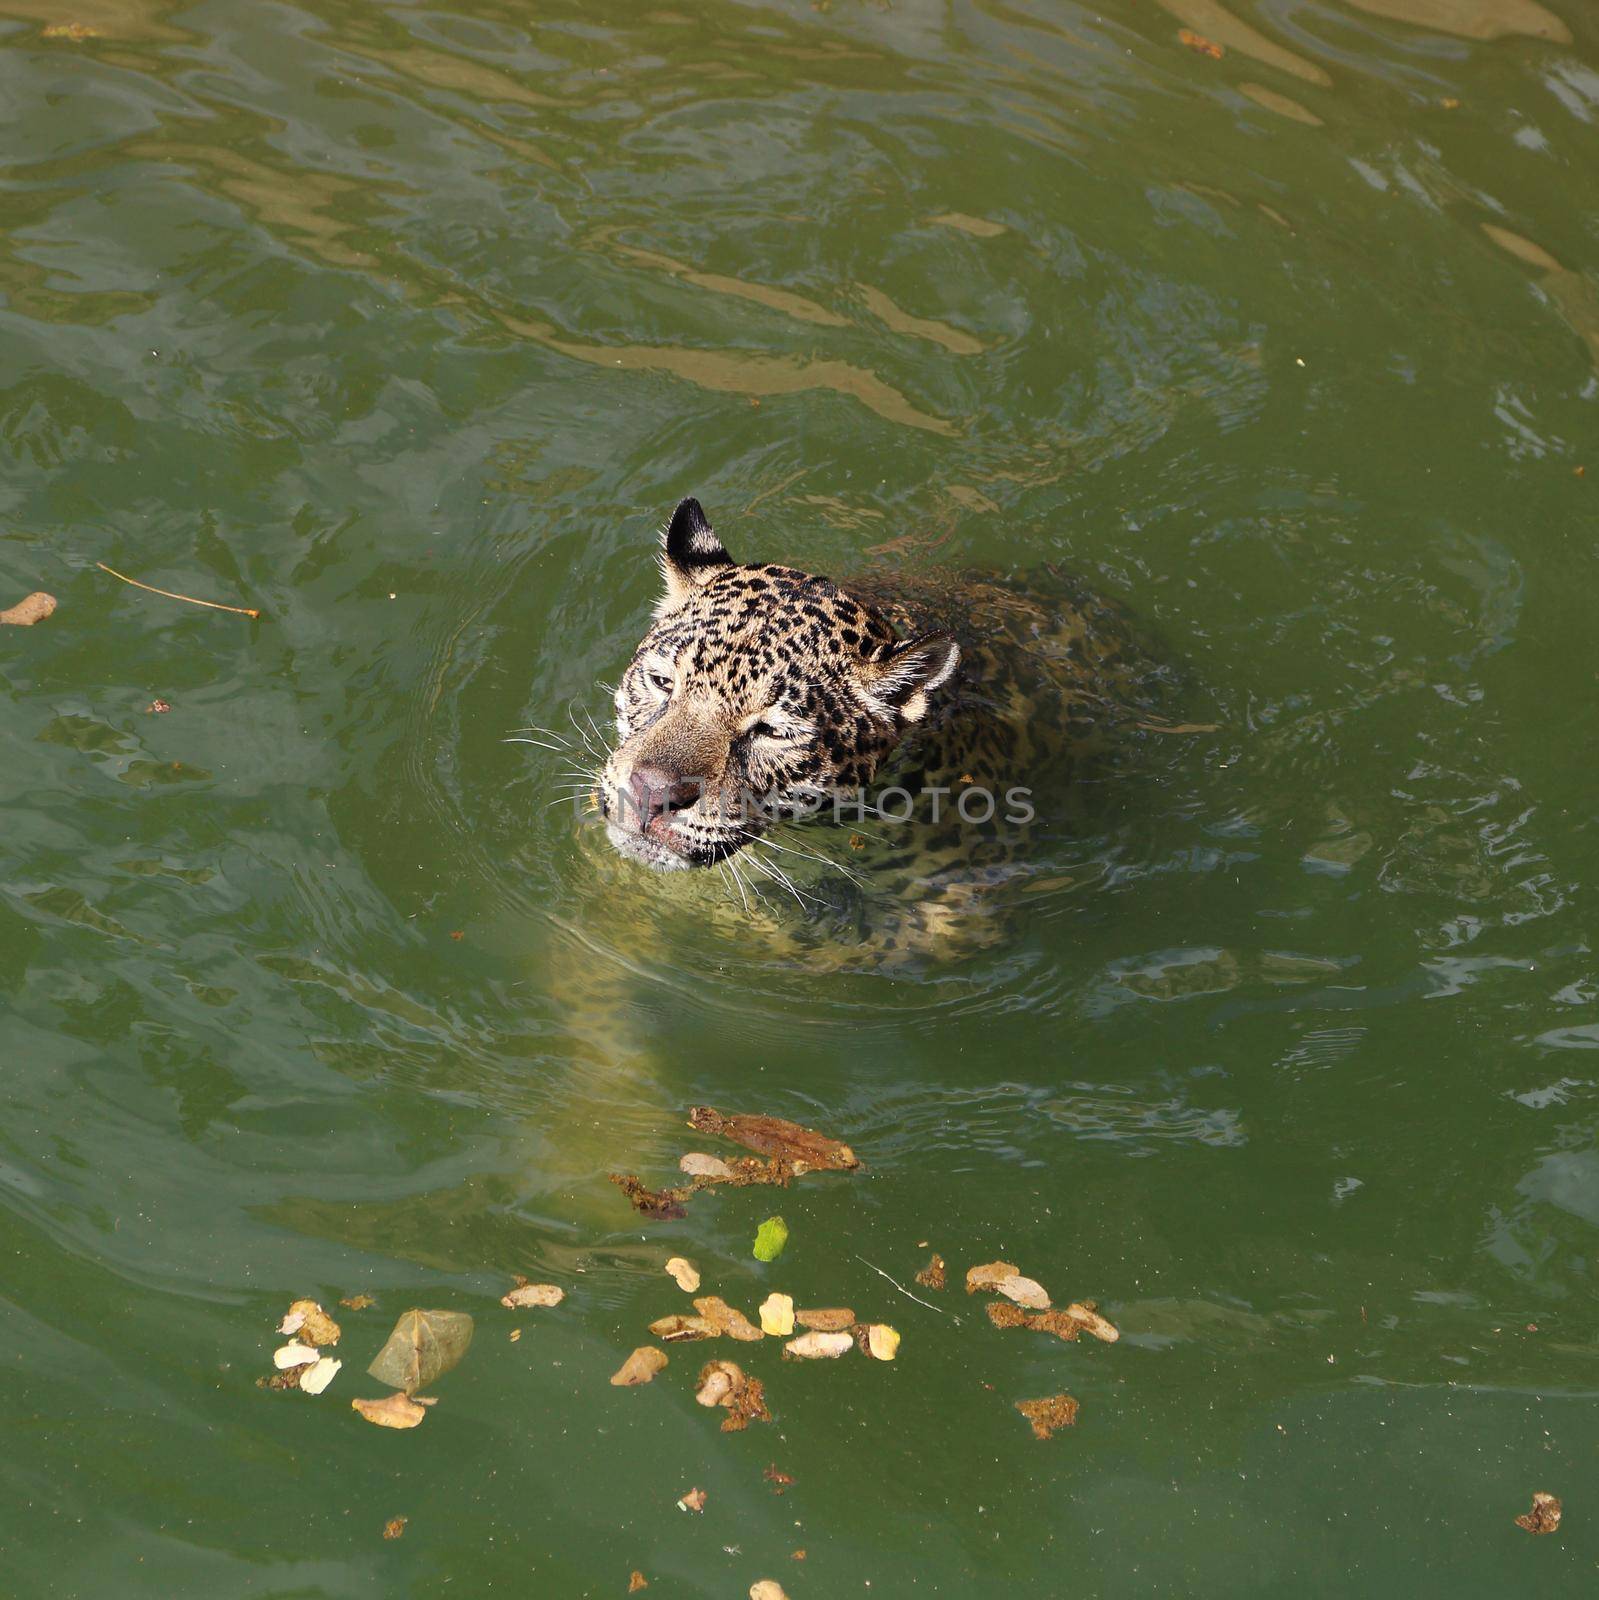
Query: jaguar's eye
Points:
[659, 681]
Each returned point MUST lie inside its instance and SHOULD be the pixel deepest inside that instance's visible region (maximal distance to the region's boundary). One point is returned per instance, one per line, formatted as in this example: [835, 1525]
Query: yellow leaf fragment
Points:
[683, 1273]
[777, 1315]
[819, 1346]
[640, 1367]
[393, 1411]
[882, 1342]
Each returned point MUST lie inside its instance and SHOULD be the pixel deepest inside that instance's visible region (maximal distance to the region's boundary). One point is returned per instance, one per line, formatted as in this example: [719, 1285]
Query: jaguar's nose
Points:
[654, 792]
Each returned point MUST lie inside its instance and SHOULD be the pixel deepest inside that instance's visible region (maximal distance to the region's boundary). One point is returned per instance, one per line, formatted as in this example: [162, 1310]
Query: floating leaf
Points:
[293, 1354]
[775, 1136]
[357, 1302]
[1544, 1516]
[882, 1342]
[639, 1367]
[777, 1315]
[815, 1346]
[678, 1328]
[26, 612]
[311, 1322]
[717, 1381]
[694, 1500]
[532, 1294]
[829, 1319]
[723, 1383]
[724, 1319]
[394, 1528]
[770, 1238]
[423, 1346]
[698, 1165]
[990, 1276]
[1025, 1292]
[316, 1377]
[392, 1411]
[1046, 1415]
[636, 1582]
[767, 1589]
[684, 1274]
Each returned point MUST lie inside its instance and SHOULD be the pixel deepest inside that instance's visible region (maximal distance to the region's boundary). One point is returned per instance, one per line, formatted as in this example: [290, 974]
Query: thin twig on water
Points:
[906, 1292]
[213, 605]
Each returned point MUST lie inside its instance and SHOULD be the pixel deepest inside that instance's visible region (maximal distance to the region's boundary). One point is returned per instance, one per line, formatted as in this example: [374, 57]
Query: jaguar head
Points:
[758, 694]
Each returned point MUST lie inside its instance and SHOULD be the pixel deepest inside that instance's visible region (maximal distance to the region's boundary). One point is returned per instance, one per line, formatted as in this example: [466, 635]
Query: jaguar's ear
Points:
[690, 554]
[903, 680]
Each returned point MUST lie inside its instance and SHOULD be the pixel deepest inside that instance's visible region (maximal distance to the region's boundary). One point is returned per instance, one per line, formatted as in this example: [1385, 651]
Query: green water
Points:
[406, 325]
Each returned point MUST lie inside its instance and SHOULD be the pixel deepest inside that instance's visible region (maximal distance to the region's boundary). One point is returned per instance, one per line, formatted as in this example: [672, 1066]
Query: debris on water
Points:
[516, 1333]
[778, 1480]
[724, 1318]
[316, 1377]
[393, 1411]
[1046, 1415]
[1544, 1516]
[805, 1148]
[724, 1383]
[694, 1500]
[293, 1354]
[777, 1315]
[932, 1276]
[882, 1342]
[1028, 1292]
[158, 707]
[767, 1589]
[188, 599]
[357, 1302]
[1067, 1324]
[636, 1582]
[640, 1367]
[34, 608]
[532, 1294]
[423, 1346]
[699, 1165]
[77, 32]
[684, 1274]
[990, 1276]
[679, 1328]
[819, 1346]
[770, 1238]
[311, 1322]
[659, 1203]
[828, 1319]
[1200, 44]
[394, 1528]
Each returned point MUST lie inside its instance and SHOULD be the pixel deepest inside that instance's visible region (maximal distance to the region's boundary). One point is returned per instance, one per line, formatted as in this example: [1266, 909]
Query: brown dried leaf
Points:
[684, 1274]
[990, 1276]
[724, 1318]
[639, 1367]
[311, 1322]
[1199, 43]
[933, 1275]
[532, 1294]
[392, 1411]
[658, 1203]
[694, 1500]
[679, 1329]
[1027, 1292]
[1046, 1415]
[1544, 1516]
[636, 1582]
[819, 1346]
[723, 1383]
[775, 1136]
[394, 1528]
[830, 1319]
[35, 608]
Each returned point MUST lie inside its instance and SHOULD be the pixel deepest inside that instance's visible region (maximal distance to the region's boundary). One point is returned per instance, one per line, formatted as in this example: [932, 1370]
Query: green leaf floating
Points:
[770, 1238]
[424, 1345]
